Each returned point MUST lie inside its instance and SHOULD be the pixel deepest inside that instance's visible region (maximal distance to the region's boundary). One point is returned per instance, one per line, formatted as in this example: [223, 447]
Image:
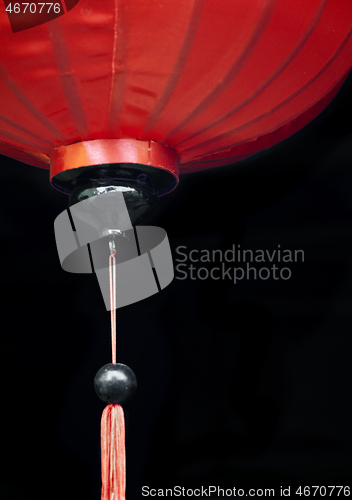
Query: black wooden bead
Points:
[115, 383]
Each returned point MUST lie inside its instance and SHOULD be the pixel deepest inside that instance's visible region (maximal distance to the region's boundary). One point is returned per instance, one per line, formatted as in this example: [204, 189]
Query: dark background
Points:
[244, 385]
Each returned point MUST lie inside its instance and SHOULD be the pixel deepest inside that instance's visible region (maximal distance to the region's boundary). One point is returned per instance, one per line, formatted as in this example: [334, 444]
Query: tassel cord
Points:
[112, 280]
[113, 455]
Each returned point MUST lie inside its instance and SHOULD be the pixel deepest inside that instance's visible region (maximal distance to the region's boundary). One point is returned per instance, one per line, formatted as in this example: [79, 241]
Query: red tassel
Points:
[113, 456]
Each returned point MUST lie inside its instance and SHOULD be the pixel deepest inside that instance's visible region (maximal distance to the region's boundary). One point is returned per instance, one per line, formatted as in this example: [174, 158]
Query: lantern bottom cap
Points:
[103, 158]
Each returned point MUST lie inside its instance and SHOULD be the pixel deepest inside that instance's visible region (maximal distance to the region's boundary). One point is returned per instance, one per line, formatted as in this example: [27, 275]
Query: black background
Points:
[245, 385]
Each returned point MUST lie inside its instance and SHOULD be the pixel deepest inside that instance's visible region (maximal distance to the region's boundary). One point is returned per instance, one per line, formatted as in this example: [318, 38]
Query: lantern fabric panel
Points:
[214, 81]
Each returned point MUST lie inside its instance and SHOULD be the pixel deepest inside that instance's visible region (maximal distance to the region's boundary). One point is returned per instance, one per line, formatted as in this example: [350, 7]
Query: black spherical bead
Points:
[115, 383]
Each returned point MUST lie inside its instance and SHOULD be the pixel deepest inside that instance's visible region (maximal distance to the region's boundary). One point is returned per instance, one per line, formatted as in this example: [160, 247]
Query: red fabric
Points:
[113, 456]
[214, 81]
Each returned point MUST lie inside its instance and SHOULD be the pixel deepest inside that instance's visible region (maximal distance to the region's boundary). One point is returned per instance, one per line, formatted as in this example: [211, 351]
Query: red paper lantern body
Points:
[210, 81]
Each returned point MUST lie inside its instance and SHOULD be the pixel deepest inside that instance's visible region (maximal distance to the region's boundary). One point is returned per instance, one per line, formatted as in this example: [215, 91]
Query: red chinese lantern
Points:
[166, 87]
[199, 83]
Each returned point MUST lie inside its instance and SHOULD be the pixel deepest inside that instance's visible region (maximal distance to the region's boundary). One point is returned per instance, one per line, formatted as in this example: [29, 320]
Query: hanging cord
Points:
[113, 455]
[112, 278]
